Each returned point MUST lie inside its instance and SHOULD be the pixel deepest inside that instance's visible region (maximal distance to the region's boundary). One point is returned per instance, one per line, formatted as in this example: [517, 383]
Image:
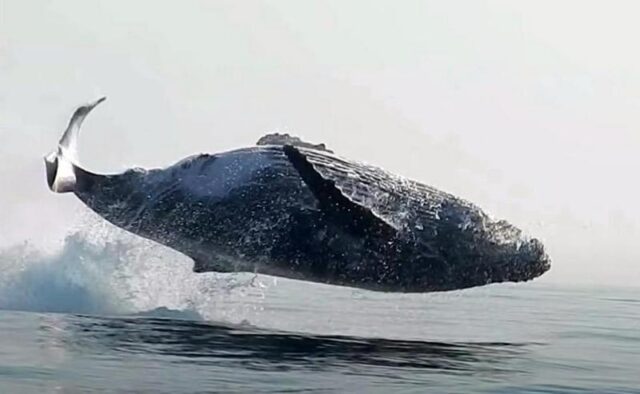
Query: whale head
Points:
[483, 250]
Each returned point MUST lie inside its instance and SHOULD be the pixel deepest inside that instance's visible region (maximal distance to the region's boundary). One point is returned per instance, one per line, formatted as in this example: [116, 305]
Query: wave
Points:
[74, 279]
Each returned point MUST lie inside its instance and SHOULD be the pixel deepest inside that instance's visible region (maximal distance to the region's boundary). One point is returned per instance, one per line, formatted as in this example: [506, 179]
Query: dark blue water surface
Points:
[99, 319]
[546, 341]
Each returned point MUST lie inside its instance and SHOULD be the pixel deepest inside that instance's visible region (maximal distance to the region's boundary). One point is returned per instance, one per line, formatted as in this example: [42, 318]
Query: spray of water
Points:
[101, 270]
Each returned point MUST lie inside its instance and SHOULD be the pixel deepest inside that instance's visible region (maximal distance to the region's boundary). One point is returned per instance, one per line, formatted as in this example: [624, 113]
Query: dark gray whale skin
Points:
[293, 209]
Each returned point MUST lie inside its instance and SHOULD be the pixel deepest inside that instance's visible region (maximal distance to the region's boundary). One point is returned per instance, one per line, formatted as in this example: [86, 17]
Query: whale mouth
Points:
[62, 164]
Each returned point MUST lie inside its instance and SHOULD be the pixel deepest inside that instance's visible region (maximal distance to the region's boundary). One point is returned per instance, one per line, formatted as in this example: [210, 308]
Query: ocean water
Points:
[115, 314]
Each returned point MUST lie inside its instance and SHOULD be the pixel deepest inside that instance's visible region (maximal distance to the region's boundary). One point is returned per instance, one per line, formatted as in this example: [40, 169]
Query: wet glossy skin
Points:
[270, 210]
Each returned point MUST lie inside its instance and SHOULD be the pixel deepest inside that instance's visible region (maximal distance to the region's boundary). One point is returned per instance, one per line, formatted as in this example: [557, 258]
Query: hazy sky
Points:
[530, 109]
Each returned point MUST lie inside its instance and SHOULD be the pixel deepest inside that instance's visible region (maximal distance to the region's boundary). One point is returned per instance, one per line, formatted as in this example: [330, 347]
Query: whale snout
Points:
[533, 259]
[519, 258]
[528, 262]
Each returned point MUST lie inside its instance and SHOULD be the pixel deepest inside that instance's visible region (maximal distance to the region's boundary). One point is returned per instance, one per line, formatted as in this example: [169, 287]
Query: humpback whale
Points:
[289, 208]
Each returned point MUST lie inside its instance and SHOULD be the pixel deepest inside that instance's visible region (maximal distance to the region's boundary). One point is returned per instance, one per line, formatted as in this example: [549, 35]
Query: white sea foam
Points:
[102, 270]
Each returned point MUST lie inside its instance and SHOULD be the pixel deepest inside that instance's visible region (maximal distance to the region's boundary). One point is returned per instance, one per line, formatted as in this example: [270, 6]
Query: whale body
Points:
[294, 209]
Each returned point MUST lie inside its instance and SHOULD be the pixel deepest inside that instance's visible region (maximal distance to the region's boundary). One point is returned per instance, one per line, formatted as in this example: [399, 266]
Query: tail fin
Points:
[61, 164]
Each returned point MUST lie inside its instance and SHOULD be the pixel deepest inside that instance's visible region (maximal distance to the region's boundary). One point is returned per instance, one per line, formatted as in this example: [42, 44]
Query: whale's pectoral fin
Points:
[286, 139]
[340, 209]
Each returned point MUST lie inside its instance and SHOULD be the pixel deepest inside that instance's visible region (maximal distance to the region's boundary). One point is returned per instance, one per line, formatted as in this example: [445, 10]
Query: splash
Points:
[104, 271]
[75, 279]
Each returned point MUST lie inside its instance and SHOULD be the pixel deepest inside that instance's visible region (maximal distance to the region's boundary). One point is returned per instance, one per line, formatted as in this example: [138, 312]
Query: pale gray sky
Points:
[529, 109]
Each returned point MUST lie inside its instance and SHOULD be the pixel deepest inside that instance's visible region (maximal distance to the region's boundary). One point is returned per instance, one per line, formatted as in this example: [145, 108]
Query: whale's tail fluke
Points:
[62, 164]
